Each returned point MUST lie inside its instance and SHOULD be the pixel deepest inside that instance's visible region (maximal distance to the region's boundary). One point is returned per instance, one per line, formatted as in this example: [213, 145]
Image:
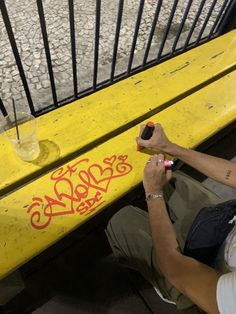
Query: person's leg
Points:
[185, 197]
[130, 238]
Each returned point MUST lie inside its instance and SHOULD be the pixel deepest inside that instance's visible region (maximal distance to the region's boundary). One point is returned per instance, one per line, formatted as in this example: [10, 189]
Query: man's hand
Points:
[194, 279]
[158, 141]
[221, 170]
[156, 176]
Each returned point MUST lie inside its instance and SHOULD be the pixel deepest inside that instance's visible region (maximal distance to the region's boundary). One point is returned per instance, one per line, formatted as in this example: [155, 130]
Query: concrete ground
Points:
[25, 22]
[84, 278]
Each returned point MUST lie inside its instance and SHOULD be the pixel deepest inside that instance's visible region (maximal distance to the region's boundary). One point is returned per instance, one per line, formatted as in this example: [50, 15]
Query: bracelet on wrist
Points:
[151, 196]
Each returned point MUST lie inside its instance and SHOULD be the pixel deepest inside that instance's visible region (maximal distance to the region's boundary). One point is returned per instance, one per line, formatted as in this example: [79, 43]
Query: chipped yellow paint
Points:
[188, 122]
[66, 130]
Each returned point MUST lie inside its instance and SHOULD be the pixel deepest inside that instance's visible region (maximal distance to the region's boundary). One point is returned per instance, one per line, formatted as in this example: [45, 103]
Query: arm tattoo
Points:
[228, 174]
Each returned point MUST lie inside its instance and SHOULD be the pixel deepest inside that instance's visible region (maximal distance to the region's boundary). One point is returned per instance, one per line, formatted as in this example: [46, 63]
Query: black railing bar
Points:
[51, 107]
[117, 36]
[173, 10]
[153, 28]
[3, 108]
[149, 64]
[120, 77]
[206, 21]
[219, 17]
[180, 50]
[47, 50]
[227, 16]
[73, 45]
[88, 91]
[186, 12]
[15, 51]
[69, 99]
[194, 24]
[66, 100]
[135, 36]
[45, 110]
[154, 62]
[96, 48]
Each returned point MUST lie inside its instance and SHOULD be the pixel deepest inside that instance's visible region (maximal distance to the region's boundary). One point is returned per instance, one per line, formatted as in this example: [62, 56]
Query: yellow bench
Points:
[194, 91]
[75, 128]
[42, 212]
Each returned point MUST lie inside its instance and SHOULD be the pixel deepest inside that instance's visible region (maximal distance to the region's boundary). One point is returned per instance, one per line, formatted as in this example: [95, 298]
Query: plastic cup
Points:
[24, 142]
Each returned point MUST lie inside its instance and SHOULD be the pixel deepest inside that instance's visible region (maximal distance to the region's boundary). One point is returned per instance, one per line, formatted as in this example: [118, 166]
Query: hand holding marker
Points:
[147, 134]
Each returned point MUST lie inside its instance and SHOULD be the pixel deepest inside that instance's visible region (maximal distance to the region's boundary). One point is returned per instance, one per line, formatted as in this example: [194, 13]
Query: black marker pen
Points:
[147, 132]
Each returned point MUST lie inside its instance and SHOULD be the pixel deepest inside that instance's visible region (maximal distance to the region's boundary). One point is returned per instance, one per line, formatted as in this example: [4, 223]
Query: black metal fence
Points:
[224, 20]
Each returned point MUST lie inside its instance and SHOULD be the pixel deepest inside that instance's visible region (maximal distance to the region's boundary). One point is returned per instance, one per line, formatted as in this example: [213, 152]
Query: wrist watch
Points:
[150, 197]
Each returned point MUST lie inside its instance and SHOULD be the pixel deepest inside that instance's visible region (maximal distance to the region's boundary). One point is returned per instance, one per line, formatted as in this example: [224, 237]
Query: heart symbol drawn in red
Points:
[110, 160]
[123, 157]
[101, 177]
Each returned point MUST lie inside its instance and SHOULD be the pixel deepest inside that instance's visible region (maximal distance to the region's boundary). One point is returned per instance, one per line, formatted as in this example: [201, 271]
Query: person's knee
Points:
[120, 218]
[121, 222]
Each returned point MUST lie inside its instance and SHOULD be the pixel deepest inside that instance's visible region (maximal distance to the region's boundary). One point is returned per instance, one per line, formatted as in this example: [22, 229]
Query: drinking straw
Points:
[16, 122]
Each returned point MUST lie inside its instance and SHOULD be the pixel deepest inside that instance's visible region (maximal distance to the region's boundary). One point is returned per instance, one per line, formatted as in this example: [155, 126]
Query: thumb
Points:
[141, 142]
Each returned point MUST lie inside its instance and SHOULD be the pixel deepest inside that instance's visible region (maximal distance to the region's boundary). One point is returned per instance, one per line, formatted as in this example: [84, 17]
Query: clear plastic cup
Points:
[24, 142]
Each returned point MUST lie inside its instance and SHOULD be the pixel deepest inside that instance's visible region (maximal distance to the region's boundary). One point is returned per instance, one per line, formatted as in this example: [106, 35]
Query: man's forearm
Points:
[216, 168]
[163, 235]
[194, 279]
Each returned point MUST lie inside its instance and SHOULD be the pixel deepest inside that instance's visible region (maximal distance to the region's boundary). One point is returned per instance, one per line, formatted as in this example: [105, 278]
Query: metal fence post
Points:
[229, 20]
[2, 108]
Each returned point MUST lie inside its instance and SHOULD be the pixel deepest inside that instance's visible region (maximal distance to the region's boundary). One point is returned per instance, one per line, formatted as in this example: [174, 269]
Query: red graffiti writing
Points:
[76, 190]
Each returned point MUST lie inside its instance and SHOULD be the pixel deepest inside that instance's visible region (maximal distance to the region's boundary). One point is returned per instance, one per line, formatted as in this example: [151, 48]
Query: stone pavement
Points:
[25, 22]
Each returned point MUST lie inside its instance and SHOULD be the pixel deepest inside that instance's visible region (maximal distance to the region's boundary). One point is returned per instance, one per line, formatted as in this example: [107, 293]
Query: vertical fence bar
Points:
[73, 46]
[167, 29]
[206, 21]
[153, 28]
[219, 16]
[229, 19]
[138, 21]
[47, 49]
[96, 48]
[182, 25]
[117, 36]
[2, 108]
[194, 24]
[15, 51]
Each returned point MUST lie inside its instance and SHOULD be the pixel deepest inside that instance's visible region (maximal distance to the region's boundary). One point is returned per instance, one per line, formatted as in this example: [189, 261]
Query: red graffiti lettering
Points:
[77, 191]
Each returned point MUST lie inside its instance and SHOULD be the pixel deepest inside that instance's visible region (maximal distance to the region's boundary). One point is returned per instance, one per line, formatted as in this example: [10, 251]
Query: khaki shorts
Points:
[129, 233]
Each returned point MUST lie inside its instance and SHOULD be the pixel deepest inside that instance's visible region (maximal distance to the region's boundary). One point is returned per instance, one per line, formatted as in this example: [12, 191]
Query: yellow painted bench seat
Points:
[67, 131]
[40, 213]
